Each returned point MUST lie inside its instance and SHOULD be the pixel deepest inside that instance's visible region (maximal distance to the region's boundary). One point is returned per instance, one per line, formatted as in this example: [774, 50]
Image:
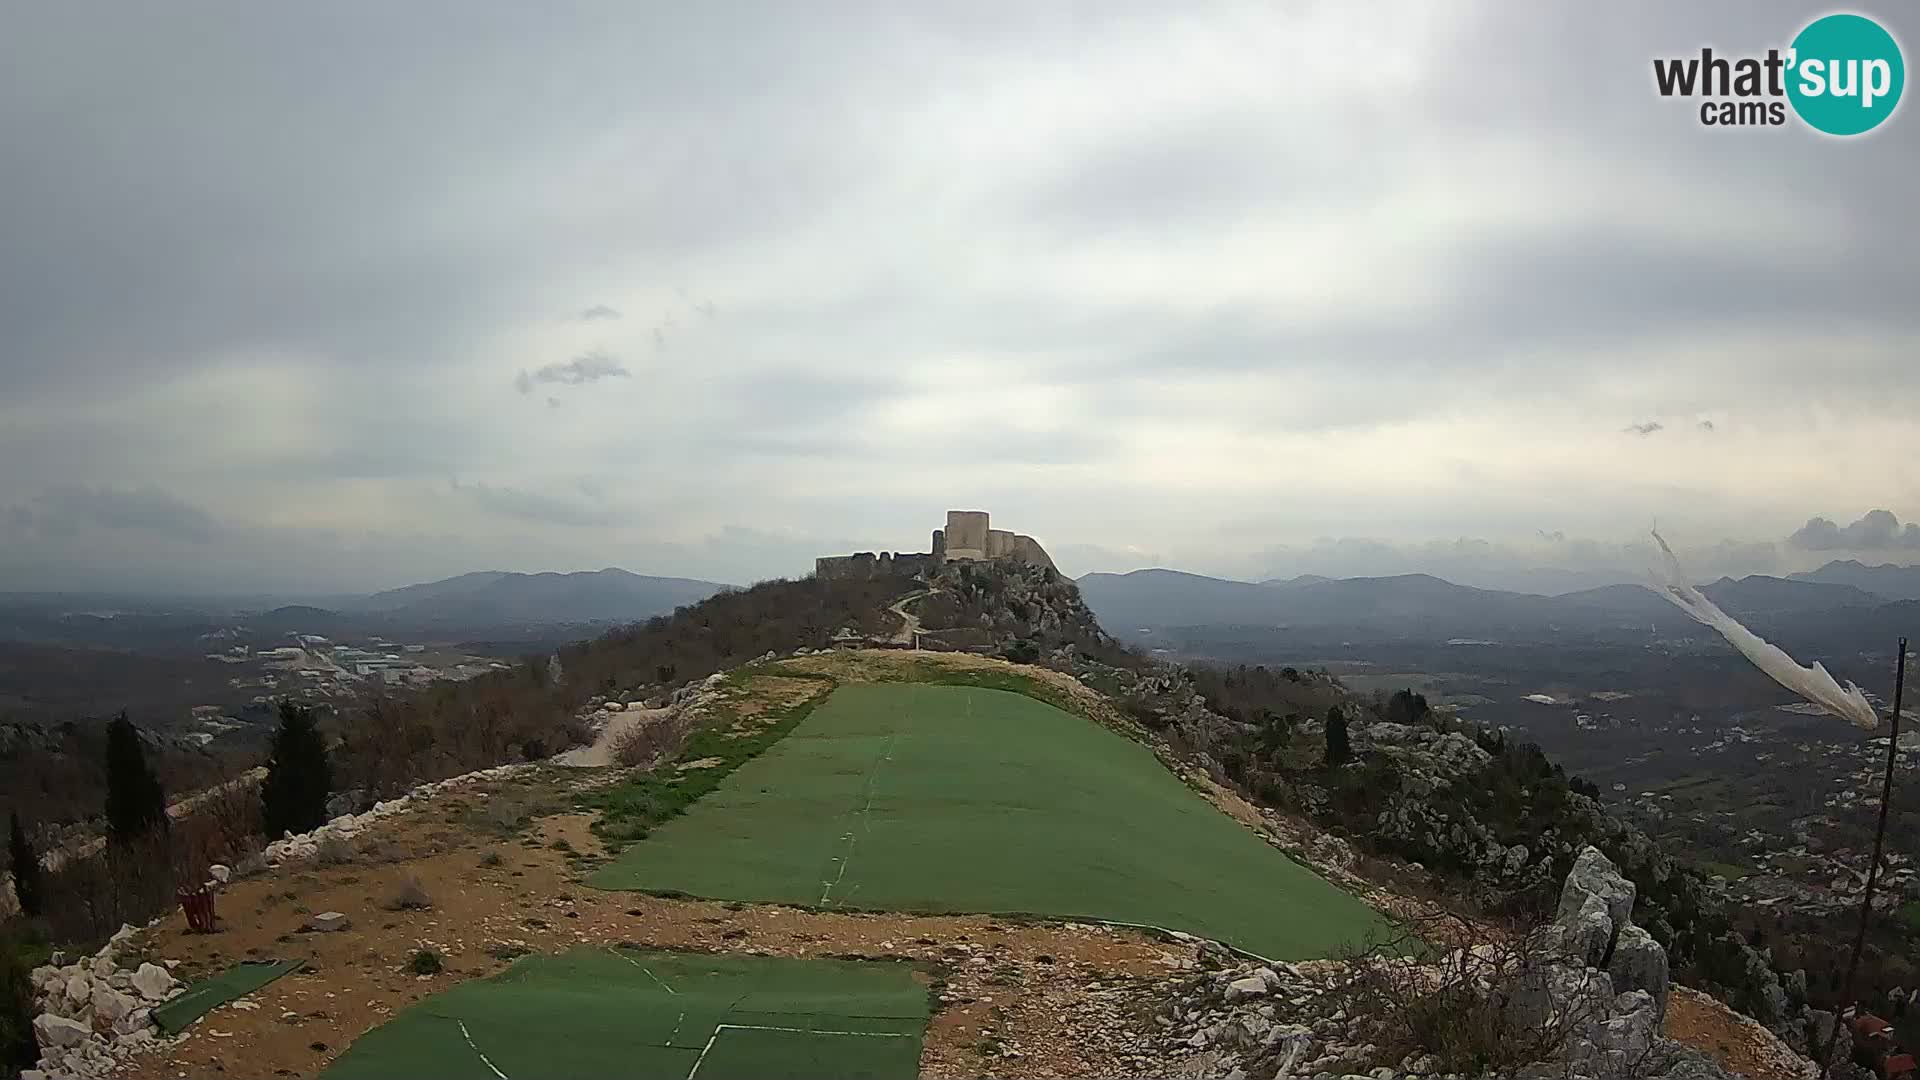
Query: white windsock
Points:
[1812, 683]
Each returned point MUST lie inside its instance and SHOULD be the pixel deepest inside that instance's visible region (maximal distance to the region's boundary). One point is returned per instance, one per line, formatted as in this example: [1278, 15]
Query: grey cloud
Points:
[313, 309]
[65, 510]
[1705, 425]
[586, 368]
[1645, 428]
[534, 506]
[1877, 530]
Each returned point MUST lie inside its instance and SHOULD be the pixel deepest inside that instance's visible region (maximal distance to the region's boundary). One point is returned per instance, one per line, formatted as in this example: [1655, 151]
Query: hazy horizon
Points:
[331, 301]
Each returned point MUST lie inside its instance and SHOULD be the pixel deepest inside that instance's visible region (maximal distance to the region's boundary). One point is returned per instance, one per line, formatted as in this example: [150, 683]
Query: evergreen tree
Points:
[293, 798]
[26, 866]
[18, 1047]
[1407, 707]
[135, 802]
[1339, 751]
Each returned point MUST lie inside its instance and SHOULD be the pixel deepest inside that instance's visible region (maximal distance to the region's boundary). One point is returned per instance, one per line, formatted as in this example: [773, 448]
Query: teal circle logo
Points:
[1845, 74]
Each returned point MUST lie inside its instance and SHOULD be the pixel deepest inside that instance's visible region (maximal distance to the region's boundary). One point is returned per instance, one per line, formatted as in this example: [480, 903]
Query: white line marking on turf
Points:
[483, 1057]
[816, 1031]
[865, 826]
[718, 1028]
[676, 1028]
[649, 971]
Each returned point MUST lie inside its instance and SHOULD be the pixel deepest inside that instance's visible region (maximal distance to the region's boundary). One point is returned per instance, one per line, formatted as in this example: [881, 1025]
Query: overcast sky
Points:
[321, 297]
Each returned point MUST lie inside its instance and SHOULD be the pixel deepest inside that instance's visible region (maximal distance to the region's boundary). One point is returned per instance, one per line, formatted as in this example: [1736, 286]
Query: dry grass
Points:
[642, 745]
[1478, 1008]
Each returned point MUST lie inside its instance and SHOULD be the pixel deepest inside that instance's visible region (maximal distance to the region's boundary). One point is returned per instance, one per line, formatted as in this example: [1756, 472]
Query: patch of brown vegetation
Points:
[1737, 1043]
[764, 692]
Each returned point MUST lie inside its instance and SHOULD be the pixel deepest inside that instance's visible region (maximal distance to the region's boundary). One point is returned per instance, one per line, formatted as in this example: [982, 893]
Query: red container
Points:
[198, 906]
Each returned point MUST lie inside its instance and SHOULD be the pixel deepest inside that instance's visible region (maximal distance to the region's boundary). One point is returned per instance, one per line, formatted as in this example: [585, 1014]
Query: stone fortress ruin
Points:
[968, 537]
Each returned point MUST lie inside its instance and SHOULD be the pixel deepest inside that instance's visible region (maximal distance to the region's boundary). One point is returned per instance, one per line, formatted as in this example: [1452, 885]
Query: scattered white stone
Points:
[79, 987]
[328, 921]
[110, 1004]
[134, 1025]
[59, 1032]
[153, 982]
[220, 873]
[1249, 987]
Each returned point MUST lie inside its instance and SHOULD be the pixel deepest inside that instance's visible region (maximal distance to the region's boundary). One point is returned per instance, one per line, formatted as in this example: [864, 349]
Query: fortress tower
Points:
[966, 535]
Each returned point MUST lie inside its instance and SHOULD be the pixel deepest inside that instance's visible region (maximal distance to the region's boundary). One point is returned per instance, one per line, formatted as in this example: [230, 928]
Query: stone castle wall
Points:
[968, 537]
[867, 564]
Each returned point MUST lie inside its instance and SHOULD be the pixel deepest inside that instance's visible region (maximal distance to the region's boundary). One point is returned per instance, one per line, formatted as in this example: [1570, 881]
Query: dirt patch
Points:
[500, 886]
[600, 751]
[1737, 1043]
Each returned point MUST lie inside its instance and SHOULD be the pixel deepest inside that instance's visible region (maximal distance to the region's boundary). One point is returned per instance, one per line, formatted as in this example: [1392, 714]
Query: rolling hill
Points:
[494, 597]
[1887, 581]
[1421, 605]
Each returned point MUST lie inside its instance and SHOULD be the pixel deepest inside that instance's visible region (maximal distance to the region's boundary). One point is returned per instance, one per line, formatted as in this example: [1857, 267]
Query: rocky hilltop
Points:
[1542, 936]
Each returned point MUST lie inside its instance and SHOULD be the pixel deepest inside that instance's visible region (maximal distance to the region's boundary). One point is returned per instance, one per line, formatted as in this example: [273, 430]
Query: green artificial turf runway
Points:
[913, 797]
[628, 1013]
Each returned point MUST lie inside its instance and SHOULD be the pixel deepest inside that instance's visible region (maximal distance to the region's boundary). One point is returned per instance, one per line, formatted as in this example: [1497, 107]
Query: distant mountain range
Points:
[1889, 582]
[490, 604]
[1420, 605]
[499, 598]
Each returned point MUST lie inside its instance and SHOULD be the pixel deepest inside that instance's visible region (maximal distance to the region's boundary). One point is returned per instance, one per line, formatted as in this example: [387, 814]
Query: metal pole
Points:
[1873, 870]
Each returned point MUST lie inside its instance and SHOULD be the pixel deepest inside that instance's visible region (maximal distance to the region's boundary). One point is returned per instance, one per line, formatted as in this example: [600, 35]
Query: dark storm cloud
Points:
[1877, 530]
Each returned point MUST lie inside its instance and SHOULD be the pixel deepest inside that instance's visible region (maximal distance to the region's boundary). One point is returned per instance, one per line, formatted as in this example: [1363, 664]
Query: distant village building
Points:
[968, 537]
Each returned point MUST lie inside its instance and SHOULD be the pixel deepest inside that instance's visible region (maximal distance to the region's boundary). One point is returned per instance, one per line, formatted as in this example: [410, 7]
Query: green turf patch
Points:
[202, 997]
[911, 797]
[622, 1012]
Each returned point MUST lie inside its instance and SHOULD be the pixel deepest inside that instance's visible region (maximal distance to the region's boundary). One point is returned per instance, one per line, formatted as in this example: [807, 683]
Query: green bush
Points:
[426, 962]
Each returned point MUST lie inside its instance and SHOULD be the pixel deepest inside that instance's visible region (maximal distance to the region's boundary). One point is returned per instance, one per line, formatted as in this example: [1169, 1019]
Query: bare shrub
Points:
[89, 896]
[233, 814]
[641, 745]
[409, 895]
[1496, 999]
[507, 815]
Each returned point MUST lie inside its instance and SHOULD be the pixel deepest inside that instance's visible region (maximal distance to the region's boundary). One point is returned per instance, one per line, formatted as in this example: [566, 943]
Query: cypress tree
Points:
[18, 1047]
[135, 802]
[1339, 751]
[26, 866]
[293, 798]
